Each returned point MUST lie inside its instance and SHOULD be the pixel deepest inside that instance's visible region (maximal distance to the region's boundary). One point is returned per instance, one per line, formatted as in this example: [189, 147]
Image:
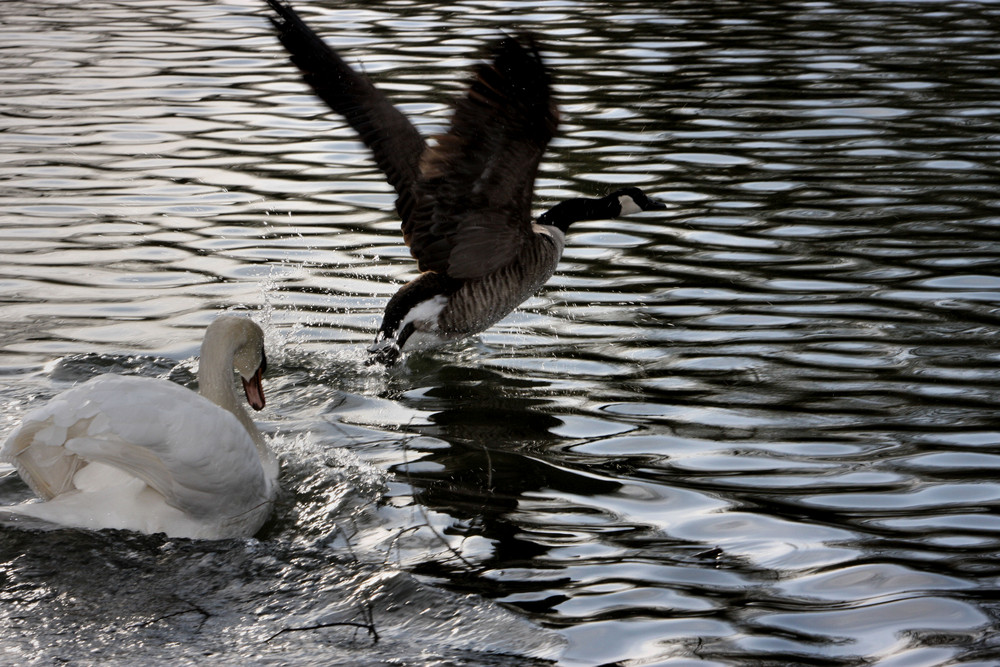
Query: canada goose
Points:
[146, 454]
[465, 200]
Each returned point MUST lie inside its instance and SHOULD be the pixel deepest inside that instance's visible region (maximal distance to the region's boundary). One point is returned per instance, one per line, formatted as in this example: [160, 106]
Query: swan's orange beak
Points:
[254, 389]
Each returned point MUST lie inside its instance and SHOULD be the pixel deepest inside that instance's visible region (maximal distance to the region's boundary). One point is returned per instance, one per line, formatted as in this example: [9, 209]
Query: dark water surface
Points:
[761, 428]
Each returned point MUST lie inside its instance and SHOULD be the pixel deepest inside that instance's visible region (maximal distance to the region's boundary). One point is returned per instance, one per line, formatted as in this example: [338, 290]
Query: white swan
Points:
[149, 455]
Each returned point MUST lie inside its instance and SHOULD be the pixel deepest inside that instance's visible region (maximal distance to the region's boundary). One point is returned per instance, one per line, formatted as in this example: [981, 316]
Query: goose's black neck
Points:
[565, 213]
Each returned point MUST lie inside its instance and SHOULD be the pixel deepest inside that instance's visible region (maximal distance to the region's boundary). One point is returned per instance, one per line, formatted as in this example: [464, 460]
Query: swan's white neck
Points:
[215, 375]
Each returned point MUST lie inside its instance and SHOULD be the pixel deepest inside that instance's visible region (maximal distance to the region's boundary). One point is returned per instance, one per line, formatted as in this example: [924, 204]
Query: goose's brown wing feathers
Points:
[473, 198]
[465, 203]
[394, 141]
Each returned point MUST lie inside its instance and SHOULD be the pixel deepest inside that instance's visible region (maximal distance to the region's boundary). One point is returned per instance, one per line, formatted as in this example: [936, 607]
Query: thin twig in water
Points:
[366, 606]
[319, 626]
[195, 609]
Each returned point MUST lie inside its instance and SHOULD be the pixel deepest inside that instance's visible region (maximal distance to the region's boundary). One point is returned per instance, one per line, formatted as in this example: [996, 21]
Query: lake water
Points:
[759, 428]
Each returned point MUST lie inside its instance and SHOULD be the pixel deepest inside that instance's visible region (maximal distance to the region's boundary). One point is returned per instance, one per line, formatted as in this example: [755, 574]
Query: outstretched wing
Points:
[473, 204]
[465, 203]
[394, 141]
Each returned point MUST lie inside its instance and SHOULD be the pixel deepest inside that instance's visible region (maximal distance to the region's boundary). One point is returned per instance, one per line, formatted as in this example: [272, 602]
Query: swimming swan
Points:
[465, 201]
[149, 455]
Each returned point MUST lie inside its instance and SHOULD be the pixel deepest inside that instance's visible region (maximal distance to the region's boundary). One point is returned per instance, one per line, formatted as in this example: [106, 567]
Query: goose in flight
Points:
[464, 198]
[148, 455]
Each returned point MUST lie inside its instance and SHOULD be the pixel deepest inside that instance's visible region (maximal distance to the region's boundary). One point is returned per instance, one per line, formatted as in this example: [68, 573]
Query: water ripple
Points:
[755, 428]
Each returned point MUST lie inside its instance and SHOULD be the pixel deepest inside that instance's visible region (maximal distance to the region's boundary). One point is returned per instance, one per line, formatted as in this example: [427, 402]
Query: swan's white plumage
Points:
[144, 454]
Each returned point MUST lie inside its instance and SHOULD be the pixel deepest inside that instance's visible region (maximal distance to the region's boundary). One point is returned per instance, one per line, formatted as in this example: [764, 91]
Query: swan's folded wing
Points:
[45, 468]
[208, 464]
[194, 453]
[37, 450]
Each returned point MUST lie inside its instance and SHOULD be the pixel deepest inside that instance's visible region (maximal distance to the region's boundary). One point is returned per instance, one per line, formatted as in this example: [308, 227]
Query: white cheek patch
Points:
[628, 205]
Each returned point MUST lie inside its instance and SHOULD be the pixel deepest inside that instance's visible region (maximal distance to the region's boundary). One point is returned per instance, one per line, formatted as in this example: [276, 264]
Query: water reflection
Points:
[759, 428]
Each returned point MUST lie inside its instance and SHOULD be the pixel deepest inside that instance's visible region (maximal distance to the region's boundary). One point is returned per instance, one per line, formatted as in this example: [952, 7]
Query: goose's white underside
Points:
[425, 313]
[424, 316]
[141, 454]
